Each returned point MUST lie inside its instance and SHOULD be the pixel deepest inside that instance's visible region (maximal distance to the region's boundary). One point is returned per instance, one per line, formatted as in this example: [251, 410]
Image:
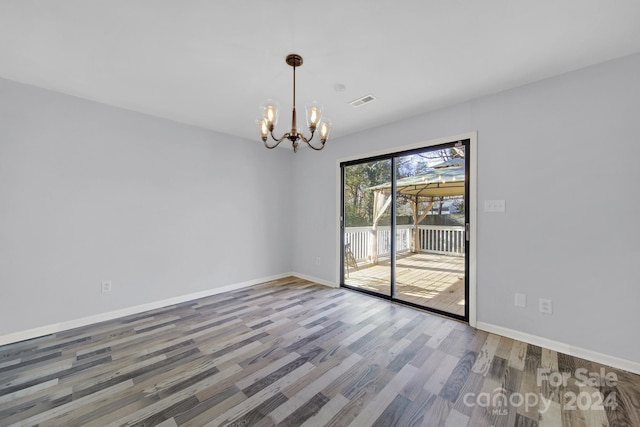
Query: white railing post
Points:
[448, 240]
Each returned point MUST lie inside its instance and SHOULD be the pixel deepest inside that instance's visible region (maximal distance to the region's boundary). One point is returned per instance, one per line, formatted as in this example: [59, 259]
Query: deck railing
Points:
[433, 239]
[442, 239]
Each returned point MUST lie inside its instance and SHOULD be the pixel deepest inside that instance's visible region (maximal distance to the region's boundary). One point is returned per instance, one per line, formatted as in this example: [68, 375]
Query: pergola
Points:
[444, 180]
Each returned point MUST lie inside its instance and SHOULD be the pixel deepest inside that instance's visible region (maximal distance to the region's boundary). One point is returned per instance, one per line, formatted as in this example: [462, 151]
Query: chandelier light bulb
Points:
[264, 128]
[271, 113]
[314, 114]
[324, 130]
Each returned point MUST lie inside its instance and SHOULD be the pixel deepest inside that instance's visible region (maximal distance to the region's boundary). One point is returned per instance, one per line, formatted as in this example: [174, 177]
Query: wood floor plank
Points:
[289, 352]
[486, 354]
[441, 375]
[417, 410]
[438, 413]
[457, 419]
[426, 371]
[392, 413]
[327, 412]
[313, 388]
[385, 397]
[173, 399]
[440, 333]
[468, 396]
[256, 399]
[65, 409]
[307, 410]
[517, 356]
[26, 392]
[210, 408]
[459, 375]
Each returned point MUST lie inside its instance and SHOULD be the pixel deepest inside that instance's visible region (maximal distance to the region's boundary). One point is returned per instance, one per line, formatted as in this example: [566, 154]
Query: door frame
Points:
[472, 160]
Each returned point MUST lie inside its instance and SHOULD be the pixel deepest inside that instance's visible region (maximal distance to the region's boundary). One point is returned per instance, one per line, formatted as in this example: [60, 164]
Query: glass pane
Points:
[430, 218]
[367, 226]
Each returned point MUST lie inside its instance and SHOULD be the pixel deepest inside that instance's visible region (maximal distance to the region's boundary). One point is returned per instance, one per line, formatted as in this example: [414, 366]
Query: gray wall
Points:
[91, 193]
[566, 144]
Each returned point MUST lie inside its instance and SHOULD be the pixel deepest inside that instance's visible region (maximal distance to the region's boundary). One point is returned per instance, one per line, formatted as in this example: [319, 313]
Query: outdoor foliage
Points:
[358, 198]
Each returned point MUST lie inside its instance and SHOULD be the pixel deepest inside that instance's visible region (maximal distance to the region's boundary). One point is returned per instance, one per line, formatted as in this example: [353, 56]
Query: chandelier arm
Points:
[278, 141]
[308, 141]
[315, 148]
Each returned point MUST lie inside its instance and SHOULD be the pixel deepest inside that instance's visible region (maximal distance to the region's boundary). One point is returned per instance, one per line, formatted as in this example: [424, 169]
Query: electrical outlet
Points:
[317, 261]
[521, 300]
[546, 307]
[494, 205]
[106, 286]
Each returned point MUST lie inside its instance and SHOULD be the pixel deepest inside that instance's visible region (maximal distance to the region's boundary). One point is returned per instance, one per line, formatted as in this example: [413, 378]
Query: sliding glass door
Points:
[404, 227]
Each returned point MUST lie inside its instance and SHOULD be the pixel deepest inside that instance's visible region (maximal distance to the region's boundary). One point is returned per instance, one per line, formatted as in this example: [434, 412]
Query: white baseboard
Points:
[594, 356]
[605, 359]
[85, 321]
[315, 280]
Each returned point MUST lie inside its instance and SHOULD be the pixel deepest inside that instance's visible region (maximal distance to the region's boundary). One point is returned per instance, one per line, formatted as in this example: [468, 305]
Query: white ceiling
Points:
[212, 63]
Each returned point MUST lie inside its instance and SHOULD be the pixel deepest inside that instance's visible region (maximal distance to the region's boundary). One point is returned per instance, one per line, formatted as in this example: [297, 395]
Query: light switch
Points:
[494, 205]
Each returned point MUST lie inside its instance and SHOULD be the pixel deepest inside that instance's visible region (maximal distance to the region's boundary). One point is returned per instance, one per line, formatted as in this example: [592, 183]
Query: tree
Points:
[358, 199]
[440, 156]
[459, 204]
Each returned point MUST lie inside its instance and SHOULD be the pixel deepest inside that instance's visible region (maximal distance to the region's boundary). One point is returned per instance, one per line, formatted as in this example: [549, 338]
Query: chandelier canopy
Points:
[314, 115]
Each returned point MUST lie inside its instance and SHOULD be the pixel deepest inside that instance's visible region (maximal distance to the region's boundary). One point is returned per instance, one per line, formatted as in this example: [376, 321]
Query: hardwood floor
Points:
[292, 353]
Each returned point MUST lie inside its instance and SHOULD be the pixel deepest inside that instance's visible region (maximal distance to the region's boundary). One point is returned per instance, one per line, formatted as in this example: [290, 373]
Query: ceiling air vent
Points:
[364, 100]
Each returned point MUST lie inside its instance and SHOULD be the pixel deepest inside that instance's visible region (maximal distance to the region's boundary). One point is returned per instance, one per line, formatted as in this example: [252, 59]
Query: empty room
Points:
[343, 213]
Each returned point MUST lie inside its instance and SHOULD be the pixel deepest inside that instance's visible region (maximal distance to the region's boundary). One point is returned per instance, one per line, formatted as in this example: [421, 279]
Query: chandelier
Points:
[314, 114]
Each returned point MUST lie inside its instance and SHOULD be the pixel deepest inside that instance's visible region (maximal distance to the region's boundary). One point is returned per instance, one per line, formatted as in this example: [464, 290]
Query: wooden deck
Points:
[431, 280]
